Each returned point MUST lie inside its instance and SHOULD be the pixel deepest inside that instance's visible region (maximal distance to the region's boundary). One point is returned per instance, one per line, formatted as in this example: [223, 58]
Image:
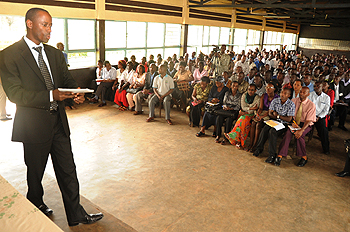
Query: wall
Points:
[334, 33]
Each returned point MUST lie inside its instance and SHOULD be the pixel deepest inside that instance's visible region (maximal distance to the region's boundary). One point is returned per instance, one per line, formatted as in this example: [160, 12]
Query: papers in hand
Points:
[275, 124]
[99, 80]
[212, 104]
[294, 128]
[76, 90]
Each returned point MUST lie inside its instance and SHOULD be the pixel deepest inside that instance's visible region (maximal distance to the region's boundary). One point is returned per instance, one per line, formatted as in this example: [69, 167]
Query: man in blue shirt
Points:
[281, 109]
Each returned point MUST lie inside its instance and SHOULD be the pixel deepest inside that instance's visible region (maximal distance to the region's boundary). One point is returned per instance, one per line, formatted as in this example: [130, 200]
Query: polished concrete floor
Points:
[156, 177]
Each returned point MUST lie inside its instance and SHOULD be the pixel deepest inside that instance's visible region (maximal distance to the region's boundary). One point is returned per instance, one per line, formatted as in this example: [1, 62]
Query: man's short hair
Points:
[183, 63]
[31, 13]
[106, 62]
[163, 66]
[289, 90]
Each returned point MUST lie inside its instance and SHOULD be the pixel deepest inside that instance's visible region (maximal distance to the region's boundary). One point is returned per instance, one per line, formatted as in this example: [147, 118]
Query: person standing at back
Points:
[31, 74]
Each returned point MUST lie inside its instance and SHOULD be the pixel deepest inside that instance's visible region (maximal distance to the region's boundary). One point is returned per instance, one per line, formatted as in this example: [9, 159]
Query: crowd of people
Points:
[258, 94]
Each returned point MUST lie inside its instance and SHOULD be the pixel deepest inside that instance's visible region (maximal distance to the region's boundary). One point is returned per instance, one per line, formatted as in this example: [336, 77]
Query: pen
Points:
[295, 123]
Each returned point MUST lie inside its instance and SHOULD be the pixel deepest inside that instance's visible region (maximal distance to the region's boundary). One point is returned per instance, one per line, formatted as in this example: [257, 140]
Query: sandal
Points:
[199, 134]
[217, 140]
[223, 142]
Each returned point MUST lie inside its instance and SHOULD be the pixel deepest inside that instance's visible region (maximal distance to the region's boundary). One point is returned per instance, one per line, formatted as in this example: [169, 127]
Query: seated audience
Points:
[330, 93]
[199, 97]
[199, 73]
[305, 116]
[171, 69]
[163, 86]
[109, 74]
[322, 103]
[182, 79]
[339, 107]
[281, 109]
[120, 94]
[228, 81]
[229, 112]
[137, 84]
[216, 96]
[307, 81]
[262, 115]
[147, 91]
[249, 104]
[260, 86]
[242, 84]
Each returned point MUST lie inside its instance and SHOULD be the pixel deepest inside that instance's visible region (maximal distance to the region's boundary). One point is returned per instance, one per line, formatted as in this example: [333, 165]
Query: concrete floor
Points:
[156, 177]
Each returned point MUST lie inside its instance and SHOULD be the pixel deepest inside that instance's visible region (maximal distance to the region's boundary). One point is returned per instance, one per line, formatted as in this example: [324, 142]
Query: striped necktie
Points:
[46, 74]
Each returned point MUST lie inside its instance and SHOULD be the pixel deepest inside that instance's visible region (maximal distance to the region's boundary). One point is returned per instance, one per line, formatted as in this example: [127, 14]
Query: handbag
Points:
[133, 91]
[211, 108]
[226, 113]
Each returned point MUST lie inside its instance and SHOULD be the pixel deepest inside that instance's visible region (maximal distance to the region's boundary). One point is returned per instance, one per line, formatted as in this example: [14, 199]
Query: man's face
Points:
[223, 48]
[239, 69]
[307, 79]
[304, 93]
[133, 58]
[225, 75]
[251, 90]
[243, 59]
[153, 68]
[240, 77]
[40, 28]
[108, 66]
[234, 87]
[318, 88]
[162, 70]
[285, 94]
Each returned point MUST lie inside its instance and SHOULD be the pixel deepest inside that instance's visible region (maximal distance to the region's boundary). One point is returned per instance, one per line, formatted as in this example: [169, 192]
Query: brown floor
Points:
[156, 177]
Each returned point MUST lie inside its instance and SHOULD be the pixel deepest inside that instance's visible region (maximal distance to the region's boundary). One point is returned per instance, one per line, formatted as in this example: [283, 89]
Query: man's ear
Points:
[29, 24]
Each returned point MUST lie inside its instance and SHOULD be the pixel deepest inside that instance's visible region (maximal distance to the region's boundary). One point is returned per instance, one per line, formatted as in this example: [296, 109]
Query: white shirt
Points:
[32, 45]
[122, 76]
[98, 75]
[163, 85]
[129, 76]
[109, 74]
[346, 84]
[321, 102]
[245, 67]
[336, 93]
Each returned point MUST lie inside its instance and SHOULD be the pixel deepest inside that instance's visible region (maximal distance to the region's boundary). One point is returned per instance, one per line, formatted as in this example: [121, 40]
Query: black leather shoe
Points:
[270, 159]
[342, 174]
[302, 162]
[46, 210]
[88, 219]
[256, 153]
[278, 161]
[343, 128]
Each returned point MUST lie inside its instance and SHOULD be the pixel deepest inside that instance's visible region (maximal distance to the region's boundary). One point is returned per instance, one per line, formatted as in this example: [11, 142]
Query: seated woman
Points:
[249, 104]
[137, 84]
[120, 94]
[199, 98]
[121, 74]
[297, 85]
[199, 73]
[182, 79]
[216, 96]
[231, 105]
[262, 114]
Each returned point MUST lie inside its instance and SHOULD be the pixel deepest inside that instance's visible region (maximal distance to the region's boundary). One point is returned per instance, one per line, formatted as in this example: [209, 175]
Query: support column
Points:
[100, 36]
[184, 39]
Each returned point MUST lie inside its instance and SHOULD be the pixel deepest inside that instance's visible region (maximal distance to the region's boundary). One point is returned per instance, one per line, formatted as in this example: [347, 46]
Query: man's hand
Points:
[61, 96]
[274, 113]
[214, 100]
[79, 98]
[298, 134]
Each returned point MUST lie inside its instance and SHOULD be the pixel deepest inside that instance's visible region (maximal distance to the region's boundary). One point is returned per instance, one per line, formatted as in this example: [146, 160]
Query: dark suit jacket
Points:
[148, 82]
[25, 86]
[343, 91]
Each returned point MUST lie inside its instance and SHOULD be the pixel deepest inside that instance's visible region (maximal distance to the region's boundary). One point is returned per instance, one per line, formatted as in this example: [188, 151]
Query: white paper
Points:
[76, 90]
[278, 125]
[294, 128]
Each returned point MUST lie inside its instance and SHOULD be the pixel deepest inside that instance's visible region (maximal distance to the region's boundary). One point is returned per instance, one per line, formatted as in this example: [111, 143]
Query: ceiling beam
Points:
[271, 5]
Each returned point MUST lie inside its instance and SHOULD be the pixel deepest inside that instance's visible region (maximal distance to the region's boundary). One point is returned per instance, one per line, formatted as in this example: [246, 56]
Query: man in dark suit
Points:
[31, 73]
[340, 108]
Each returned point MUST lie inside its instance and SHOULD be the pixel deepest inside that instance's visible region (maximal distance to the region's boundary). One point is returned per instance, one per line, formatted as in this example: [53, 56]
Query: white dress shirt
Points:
[336, 93]
[109, 74]
[245, 67]
[322, 103]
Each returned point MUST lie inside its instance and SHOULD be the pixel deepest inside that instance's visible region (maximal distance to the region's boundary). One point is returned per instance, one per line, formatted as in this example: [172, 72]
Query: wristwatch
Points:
[278, 117]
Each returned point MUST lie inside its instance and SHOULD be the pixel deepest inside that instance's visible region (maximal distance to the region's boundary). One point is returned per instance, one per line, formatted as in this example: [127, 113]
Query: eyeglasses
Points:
[47, 25]
[271, 87]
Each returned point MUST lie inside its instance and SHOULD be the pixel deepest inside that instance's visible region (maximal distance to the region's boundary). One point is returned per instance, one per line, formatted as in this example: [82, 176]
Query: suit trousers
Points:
[36, 156]
[323, 133]
[301, 148]
[166, 104]
[138, 98]
[102, 89]
[269, 133]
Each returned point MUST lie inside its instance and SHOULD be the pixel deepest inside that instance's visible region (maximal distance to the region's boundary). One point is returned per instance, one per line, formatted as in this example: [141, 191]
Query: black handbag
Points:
[133, 91]
[211, 108]
[226, 113]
